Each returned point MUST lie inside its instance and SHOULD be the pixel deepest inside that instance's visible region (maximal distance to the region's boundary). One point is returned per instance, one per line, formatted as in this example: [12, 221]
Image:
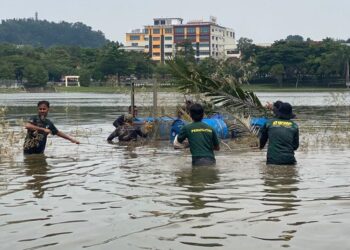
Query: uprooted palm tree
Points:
[224, 91]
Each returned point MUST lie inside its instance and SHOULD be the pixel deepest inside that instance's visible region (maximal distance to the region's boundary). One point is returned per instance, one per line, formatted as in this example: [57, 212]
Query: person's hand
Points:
[46, 131]
[269, 105]
[75, 141]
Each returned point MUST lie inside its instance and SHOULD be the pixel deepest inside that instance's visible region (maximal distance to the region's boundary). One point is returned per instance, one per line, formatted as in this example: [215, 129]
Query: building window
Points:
[192, 38]
[156, 46]
[162, 22]
[179, 39]
[146, 38]
[156, 31]
[146, 31]
[179, 30]
[203, 45]
[156, 22]
[168, 46]
[134, 44]
[191, 30]
[168, 54]
[204, 29]
[204, 37]
[156, 38]
[133, 38]
[168, 38]
[156, 54]
[146, 46]
[168, 31]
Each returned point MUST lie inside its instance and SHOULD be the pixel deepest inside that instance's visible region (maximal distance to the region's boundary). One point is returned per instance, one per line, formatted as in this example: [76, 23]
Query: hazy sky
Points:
[260, 20]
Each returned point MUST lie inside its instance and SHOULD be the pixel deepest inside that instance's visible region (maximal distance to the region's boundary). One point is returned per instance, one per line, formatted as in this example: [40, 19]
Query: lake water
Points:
[101, 196]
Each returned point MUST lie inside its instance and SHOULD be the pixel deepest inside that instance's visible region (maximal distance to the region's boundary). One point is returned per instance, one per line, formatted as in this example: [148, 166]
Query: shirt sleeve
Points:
[215, 139]
[119, 121]
[32, 120]
[296, 140]
[263, 137]
[53, 128]
[182, 135]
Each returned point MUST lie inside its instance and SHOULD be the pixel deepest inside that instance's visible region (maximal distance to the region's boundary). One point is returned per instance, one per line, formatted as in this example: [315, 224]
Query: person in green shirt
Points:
[38, 128]
[201, 137]
[282, 134]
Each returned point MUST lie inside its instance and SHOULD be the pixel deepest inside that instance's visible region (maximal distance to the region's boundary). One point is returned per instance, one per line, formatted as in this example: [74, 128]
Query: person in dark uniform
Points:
[282, 135]
[38, 127]
[127, 127]
[127, 131]
[201, 137]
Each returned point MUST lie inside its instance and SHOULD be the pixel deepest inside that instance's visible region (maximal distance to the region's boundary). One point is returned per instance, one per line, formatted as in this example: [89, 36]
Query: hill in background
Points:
[46, 34]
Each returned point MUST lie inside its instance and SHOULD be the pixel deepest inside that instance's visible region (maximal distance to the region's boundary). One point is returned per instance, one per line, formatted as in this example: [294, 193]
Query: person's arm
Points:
[182, 135]
[216, 142]
[67, 137]
[296, 140]
[31, 126]
[119, 121]
[140, 133]
[263, 137]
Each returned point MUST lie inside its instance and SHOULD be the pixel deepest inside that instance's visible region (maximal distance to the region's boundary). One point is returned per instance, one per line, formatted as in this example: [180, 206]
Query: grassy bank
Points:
[274, 88]
[126, 89]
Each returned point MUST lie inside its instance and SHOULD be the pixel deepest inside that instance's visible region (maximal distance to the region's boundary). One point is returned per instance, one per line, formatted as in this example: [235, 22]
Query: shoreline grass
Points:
[126, 89]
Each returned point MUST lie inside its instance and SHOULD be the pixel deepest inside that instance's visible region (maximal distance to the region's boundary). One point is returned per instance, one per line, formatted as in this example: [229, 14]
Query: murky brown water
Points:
[101, 196]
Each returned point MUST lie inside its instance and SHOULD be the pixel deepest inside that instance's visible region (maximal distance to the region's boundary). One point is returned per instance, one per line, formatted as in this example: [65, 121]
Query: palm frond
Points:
[221, 91]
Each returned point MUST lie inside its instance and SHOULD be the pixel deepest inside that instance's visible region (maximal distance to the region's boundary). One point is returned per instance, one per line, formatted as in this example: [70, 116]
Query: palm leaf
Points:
[224, 92]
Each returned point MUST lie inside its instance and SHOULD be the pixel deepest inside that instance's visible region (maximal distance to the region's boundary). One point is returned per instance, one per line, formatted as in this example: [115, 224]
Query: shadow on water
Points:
[36, 167]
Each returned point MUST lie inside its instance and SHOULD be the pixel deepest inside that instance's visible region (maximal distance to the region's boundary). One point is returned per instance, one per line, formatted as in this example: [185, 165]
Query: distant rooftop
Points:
[167, 21]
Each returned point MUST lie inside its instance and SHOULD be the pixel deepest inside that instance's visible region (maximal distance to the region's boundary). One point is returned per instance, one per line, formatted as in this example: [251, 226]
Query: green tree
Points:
[185, 50]
[7, 71]
[277, 71]
[294, 38]
[36, 75]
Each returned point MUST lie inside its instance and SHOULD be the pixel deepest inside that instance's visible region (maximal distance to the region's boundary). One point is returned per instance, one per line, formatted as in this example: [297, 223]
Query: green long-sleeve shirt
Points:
[283, 137]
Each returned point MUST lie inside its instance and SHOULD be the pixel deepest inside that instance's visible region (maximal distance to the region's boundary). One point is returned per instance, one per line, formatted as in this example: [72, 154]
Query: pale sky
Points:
[264, 21]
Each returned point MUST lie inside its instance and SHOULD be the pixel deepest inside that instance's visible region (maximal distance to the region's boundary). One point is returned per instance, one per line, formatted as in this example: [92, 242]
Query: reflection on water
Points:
[196, 180]
[36, 167]
[110, 196]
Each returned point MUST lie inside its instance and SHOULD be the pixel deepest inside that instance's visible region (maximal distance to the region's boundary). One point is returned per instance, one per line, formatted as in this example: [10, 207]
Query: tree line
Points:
[289, 61]
[42, 33]
[298, 62]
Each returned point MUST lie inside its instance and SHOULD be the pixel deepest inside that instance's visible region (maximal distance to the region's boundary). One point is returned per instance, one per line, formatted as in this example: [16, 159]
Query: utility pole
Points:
[132, 98]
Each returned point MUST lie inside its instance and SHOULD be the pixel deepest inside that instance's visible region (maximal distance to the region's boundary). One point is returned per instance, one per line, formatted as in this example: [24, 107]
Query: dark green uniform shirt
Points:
[35, 141]
[201, 137]
[283, 137]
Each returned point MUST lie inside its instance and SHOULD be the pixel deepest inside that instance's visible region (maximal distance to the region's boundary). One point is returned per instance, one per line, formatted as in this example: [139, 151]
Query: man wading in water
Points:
[38, 127]
[282, 134]
[201, 137]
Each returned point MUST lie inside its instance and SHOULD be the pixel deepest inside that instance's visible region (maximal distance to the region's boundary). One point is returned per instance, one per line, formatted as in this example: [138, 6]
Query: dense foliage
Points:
[295, 61]
[34, 66]
[46, 34]
[292, 61]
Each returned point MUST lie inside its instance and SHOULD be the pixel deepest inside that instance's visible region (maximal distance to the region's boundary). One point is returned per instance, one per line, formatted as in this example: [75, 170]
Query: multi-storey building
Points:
[162, 39]
[136, 40]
